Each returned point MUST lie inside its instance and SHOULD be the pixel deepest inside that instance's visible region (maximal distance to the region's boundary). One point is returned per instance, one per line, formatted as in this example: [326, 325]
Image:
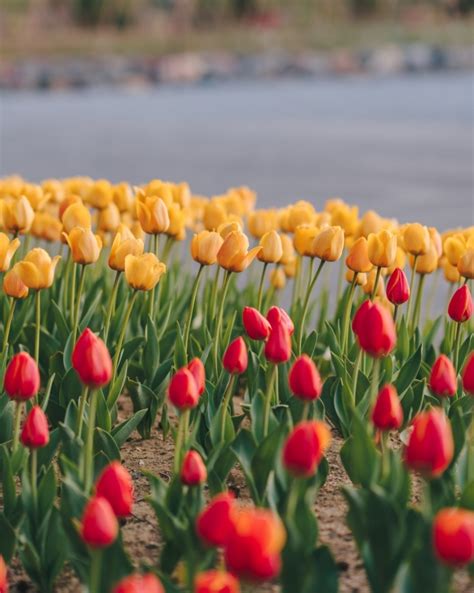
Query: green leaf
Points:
[408, 372]
[122, 431]
[359, 455]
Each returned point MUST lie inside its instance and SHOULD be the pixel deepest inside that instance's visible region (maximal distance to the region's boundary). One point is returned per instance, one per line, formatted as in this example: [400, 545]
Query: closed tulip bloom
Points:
[466, 264]
[204, 247]
[261, 222]
[91, 360]
[443, 380]
[428, 262]
[277, 278]
[13, 285]
[453, 536]
[235, 359]
[137, 583]
[301, 212]
[399, 262]
[143, 272]
[278, 345]
[329, 243]
[22, 378]
[183, 392]
[197, 370]
[193, 471]
[255, 543]
[116, 485]
[382, 247]
[228, 227]
[216, 581]
[18, 215]
[304, 379]
[215, 214]
[84, 245]
[214, 523]
[454, 248]
[177, 226]
[346, 217]
[65, 203]
[37, 269]
[109, 219]
[416, 238]
[123, 196]
[272, 249]
[152, 213]
[7, 251]
[99, 525]
[288, 255]
[387, 413]
[370, 223]
[397, 289]
[468, 375]
[234, 255]
[124, 244]
[99, 194]
[35, 431]
[368, 287]
[4, 576]
[304, 447]
[76, 215]
[358, 258]
[255, 324]
[361, 278]
[46, 226]
[460, 306]
[277, 315]
[303, 239]
[451, 273]
[375, 329]
[430, 446]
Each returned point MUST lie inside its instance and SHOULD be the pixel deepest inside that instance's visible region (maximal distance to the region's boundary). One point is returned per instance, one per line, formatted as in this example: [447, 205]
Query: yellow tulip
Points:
[181, 194]
[152, 214]
[159, 189]
[382, 248]
[346, 217]
[7, 251]
[124, 244]
[466, 264]
[177, 218]
[36, 270]
[329, 243]
[288, 254]
[143, 272]
[278, 278]
[99, 194]
[76, 215]
[54, 188]
[454, 248]
[13, 285]
[370, 222]
[290, 268]
[204, 247]
[400, 261]
[272, 249]
[84, 245]
[303, 239]
[123, 196]
[451, 273]
[358, 258]
[214, 215]
[69, 201]
[361, 279]
[261, 222]
[435, 238]
[234, 255]
[416, 238]
[228, 227]
[35, 195]
[109, 219]
[18, 215]
[368, 287]
[427, 263]
[300, 213]
[46, 226]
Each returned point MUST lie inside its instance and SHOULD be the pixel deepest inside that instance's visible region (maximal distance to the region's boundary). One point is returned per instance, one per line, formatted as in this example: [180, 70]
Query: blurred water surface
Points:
[403, 146]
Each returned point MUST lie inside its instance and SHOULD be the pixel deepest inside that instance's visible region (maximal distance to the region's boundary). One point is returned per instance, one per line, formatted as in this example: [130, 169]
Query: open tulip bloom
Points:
[213, 362]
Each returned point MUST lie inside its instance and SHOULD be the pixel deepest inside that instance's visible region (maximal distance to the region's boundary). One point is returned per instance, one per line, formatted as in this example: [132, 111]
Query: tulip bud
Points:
[235, 358]
[261, 222]
[183, 391]
[278, 345]
[205, 246]
[4, 576]
[344, 216]
[18, 215]
[255, 324]
[99, 526]
[143, 272]
[382, 248]
[398, 289]
[214, 215]
[75, 215]
[303, 239]
[460, 306]
[416, 239]
[197, 370]
[136, 583]
[466, 264]
[22, 378]
[305, 446]
[468, 375]
[7, 251]
[124, 244]
[430, 446]
[427, 263]
[328, 244]
[443, 380]
[36, 270]
[116, 485]
[277, 315]
[304, 379]
[13, 285]
[453, 536]
[214, 523]
[272, 249]
[35, 432]
[358, 258]
[455, 248]
[99, 194]
[193, 471]
[288, 255]
[387, 413]
[84, 245]
[91, 360]
[375, 329]
[216, 581]
[233, 255]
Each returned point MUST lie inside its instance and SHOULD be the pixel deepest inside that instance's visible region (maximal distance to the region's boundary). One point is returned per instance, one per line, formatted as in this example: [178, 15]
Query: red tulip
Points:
[375, 329]
[398, 289]
[4, 576]
[235, 358]
[468, 375]
[460, 306]
[453, 536]
[91, 360]
[430, 446]
[183, 392]
[277, 315]
[216, 581]
[194, 470]
[304, 379]
[256, 326]
[35, 432]
[214, 523]
[387, 413]
[136, 583]
[254, 544]
[116, 485]
[278, 345]
[99, 528]
[22, 379]
[443, 380]
[305, 446]
[197, 370]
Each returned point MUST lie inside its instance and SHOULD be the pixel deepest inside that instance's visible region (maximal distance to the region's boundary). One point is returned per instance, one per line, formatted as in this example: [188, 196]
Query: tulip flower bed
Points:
[218, 415]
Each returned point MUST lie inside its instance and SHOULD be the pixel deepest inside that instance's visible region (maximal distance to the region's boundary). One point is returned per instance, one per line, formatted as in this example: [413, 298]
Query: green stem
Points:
[268, 400]
[95, 574]
[305, 414]
[151, 296]
[416, 311]
[8, 325]
[192, 304]
[82, 407]
[73, 291]
[347, 310]
[225, 405]
[376, 283]
[16, 425]
[457, 343]
[217, 335]
[78, 303]
[296, 282]
[34, 475]
[38, 324]
[412, 285]
[260, 286]
[395, 311]
[309, 289]
[121, 339]
[111, 306]
[340, 277]
[292, 500]
[384, 450]
[212, 304]
[374, 385]
[89, 447]
[180, 439]
[356, 374]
